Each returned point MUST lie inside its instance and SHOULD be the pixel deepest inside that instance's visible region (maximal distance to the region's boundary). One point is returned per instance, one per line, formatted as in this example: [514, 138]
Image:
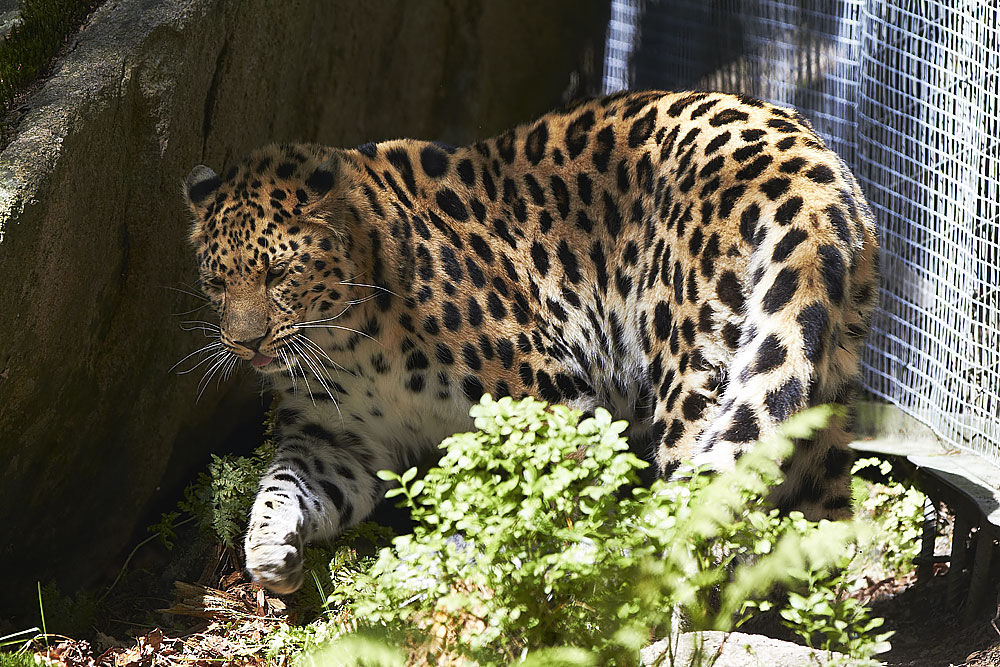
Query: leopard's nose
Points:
[254, 344]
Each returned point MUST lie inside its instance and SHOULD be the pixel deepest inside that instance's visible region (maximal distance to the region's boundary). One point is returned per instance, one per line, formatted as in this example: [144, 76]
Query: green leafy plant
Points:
[359, 649]
[826, 618]
[895, 512]
[19, 657]
[220, 499]
[328, 568]
[533, 543]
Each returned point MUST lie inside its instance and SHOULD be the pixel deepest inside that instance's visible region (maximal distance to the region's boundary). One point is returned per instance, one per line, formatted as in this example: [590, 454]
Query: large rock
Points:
[736, 649]
[92, 230]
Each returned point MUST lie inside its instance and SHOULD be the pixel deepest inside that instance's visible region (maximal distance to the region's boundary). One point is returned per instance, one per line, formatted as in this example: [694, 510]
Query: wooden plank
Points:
[970, 475]
[928, 535]
[959, 558]
[979, 582]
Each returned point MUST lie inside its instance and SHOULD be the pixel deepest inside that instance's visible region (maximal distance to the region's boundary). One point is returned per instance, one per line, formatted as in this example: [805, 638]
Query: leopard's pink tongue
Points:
[260, 360]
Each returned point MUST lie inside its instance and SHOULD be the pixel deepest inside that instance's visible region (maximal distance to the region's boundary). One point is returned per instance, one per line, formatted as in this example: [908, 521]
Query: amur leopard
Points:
[700, 264]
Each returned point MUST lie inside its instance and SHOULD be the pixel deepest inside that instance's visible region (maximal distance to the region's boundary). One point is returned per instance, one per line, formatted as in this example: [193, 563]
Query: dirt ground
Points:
[930, 632]
[228, 625]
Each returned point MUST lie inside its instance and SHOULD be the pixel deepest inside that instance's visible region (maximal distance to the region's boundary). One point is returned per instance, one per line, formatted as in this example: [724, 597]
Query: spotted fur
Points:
[700, 264]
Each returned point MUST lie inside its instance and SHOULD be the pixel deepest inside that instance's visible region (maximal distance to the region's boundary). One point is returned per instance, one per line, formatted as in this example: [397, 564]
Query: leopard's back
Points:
[700, 263]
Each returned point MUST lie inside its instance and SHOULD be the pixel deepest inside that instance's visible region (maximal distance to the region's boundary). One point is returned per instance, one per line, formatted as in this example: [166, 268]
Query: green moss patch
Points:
[29, 48]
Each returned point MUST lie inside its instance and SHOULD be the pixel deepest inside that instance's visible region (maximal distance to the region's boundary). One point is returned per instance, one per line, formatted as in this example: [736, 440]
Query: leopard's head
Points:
[274, 252]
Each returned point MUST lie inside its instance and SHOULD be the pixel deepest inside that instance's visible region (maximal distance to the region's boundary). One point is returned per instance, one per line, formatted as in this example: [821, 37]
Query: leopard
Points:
[699, 264]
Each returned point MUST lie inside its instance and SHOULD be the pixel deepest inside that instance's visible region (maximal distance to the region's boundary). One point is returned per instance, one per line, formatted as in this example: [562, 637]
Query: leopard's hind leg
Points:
[806, 323]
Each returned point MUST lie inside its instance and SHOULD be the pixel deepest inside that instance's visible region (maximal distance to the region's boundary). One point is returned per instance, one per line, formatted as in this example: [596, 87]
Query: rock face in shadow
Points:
[94, 428]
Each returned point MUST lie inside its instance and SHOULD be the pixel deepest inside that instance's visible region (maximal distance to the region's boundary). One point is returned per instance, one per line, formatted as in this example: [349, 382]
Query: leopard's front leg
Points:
[320, 483]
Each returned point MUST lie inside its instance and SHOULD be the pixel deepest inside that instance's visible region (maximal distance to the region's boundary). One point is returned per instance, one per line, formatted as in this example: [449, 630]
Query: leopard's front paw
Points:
[275, 560]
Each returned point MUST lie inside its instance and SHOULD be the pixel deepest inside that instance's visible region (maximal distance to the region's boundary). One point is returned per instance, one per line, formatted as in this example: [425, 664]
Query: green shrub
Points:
[221, 498]
[825, 617]
[895, 512]
[533, 543]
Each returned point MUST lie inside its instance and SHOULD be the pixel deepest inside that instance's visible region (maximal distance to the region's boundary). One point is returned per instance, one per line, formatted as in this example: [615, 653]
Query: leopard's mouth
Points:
[260, 361]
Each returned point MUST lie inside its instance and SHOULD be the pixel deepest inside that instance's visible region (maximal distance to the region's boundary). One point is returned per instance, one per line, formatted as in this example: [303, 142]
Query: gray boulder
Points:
[736, 649]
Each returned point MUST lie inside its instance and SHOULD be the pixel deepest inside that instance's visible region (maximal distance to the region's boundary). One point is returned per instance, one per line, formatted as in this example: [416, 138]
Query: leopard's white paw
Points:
[275, 561]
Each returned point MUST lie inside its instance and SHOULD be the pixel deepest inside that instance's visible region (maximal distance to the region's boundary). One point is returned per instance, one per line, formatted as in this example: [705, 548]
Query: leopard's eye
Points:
[216, 282]
[276, 272]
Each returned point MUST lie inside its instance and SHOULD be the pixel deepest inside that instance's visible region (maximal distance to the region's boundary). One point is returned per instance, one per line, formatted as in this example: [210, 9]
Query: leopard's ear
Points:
[199, 185]
[323, 178]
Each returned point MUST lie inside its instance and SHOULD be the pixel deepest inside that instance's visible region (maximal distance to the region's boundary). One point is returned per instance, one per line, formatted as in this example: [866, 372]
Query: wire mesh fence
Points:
[908, 93]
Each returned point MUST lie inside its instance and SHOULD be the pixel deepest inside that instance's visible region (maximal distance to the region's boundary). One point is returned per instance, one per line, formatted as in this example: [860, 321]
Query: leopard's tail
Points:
[810, 293]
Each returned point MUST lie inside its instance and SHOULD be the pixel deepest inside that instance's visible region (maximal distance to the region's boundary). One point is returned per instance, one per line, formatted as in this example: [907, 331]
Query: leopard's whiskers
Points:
[189, 325]
[322, 376]
[204, 349]
[317, 348]
[354, 302]
[305, 379]
[228, 370]
[325, 319]
[333, 326]
[221, 358]
[188, 312]
[207, 328]
[379, 287]
[291, 372]
[300, 353]
[187, 291]
[310, 364]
